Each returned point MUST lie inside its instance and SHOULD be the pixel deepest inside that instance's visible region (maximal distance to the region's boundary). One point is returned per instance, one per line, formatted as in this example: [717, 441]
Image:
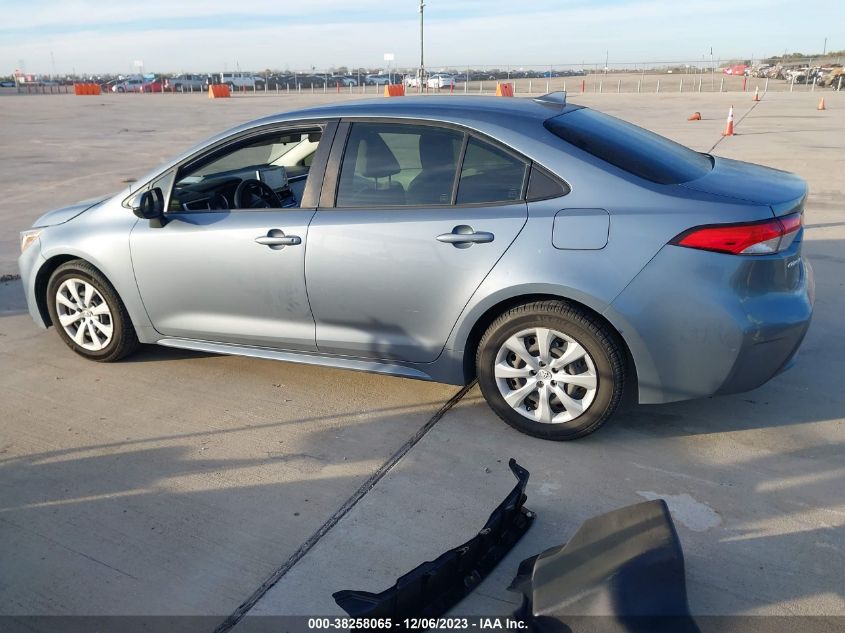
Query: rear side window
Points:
[389, 164]
[489, 174]
[634, 149]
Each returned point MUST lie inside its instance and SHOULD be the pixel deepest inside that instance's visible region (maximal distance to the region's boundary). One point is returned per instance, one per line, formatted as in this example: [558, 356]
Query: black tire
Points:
[601, 343]
[124, 340]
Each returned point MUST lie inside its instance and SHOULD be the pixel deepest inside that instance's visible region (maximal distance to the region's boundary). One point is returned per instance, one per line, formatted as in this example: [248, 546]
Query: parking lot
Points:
[177, 483]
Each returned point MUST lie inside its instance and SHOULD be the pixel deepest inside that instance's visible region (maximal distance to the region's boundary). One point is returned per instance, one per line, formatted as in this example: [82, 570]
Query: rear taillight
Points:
[749, 238]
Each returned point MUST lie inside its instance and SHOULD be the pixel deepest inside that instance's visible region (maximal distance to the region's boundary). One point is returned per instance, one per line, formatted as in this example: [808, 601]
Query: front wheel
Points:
[88, 314]
[551, 370]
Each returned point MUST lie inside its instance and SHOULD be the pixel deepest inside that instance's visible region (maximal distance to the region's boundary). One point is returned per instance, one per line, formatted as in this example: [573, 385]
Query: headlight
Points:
[28, 237]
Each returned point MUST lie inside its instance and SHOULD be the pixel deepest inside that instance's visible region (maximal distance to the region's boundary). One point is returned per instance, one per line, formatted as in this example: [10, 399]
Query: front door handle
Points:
[277, 240]
[463, 236]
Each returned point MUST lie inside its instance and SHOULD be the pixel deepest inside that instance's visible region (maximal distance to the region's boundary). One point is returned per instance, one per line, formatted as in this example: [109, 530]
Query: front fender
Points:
[101, 237]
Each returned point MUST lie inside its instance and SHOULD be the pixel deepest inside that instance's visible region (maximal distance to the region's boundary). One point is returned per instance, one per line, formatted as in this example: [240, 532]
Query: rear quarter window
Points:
[489, 174]
[629, 147]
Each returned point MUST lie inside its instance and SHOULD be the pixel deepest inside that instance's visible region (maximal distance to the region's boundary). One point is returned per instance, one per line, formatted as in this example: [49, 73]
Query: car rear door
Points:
[400, 242]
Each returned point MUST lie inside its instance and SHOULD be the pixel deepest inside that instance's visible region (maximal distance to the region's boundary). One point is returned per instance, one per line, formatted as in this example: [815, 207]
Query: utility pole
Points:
[824, 50]
[422, 48]
[712, 71]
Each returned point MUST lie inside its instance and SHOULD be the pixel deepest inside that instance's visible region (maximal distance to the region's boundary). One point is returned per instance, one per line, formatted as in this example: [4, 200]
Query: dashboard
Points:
[216, 191]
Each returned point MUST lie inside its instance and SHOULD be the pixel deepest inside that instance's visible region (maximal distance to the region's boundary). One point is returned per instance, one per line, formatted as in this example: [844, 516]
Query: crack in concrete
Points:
[344, 509]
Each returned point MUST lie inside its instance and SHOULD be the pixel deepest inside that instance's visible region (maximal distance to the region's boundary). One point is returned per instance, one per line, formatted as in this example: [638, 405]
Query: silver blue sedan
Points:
[559, 255]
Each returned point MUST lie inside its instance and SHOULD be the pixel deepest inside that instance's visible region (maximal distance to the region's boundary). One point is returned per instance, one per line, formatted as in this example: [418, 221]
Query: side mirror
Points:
[149, 205]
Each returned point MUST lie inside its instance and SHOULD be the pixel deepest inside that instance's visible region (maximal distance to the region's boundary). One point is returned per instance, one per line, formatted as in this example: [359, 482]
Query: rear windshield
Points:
[629, 147]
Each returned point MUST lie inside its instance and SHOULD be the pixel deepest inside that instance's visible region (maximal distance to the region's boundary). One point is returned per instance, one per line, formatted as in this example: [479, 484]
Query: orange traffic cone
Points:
[695, 116]
[756, 94]
[729, 128]
[821, 104]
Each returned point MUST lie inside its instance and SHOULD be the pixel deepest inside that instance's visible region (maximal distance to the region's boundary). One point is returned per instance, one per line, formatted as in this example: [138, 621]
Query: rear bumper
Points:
[700, 323]
[760, 360]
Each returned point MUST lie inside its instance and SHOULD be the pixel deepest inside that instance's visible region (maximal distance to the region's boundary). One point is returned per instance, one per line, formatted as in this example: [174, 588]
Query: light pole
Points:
[712, 71]
[422, 46]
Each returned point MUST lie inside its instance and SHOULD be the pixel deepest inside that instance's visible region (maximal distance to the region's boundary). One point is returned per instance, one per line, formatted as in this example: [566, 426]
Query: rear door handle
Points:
[463, 236]
[277, 240]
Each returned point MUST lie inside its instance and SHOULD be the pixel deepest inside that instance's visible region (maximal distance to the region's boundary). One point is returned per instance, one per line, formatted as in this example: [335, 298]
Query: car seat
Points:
[375, 160]
[433, 185]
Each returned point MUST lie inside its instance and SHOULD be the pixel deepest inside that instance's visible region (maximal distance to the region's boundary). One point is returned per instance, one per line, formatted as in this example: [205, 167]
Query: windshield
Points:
[634, 149]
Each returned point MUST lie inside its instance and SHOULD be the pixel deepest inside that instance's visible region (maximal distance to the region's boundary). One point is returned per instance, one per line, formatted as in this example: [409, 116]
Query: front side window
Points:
[388, 164]
[268, 172]
[489, 174]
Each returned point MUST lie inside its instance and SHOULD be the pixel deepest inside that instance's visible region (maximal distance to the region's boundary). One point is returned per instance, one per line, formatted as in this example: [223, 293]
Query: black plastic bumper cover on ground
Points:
[622, 571]
[436, 586]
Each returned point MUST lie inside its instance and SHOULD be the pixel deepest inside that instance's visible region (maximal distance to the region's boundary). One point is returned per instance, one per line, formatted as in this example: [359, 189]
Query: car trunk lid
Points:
[783, 191]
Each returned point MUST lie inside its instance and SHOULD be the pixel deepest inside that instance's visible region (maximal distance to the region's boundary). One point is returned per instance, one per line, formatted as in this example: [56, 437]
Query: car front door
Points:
[232, 271]
[404, 235]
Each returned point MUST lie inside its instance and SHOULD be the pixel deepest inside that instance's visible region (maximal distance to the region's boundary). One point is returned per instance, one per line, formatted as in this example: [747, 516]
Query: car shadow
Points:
[176, 524]
[12, 299]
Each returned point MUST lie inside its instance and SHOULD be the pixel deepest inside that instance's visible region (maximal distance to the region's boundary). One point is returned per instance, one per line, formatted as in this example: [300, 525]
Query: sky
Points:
[100, 36]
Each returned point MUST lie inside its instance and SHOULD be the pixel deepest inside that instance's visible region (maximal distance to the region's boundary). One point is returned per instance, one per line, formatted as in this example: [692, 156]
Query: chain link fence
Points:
[636, 77]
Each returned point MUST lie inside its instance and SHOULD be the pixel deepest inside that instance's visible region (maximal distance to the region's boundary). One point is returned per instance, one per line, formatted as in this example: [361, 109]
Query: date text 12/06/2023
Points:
[419, 624]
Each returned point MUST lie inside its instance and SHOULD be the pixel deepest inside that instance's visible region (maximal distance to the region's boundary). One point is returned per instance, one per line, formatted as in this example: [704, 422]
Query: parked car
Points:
[413, 80]
[557, 254]
[832, 77]
[343, 80]
[133, 84]
[798, 75]
[7, 84]
[281, 82]
[153, 85]
[313, 81]
[441, 81]
[238, 80]
[377, 80]
[137, 84]
[108, 86]
[186, 83]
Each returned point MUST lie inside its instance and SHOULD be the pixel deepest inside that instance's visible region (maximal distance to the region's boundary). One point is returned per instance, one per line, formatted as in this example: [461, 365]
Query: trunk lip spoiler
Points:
[790, 206]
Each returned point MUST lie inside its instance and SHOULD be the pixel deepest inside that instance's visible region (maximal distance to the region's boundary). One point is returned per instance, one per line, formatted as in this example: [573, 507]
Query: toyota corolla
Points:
[561, 256]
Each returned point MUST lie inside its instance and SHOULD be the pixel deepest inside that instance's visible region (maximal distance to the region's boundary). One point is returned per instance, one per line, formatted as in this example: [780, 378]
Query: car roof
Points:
[445, 107]
[507, 119]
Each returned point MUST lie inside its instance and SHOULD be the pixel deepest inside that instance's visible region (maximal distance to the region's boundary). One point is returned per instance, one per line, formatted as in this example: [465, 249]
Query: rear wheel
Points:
[88, 314]
[551, 370]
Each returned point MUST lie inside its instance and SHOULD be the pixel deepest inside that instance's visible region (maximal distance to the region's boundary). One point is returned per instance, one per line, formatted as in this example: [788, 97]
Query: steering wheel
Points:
[254, 194]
